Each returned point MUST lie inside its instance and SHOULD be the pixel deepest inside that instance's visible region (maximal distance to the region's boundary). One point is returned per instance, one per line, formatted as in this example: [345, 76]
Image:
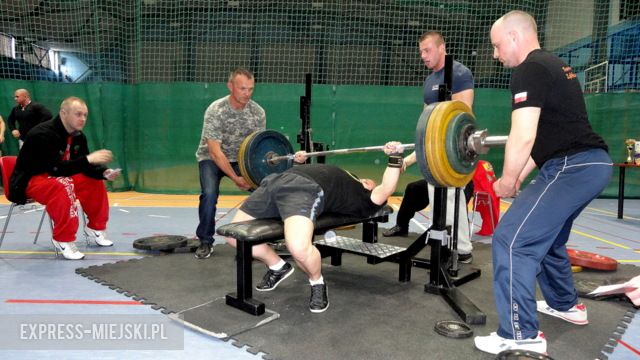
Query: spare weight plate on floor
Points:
[591, 260]
[160, 242]
[453, 329]
[521, 355]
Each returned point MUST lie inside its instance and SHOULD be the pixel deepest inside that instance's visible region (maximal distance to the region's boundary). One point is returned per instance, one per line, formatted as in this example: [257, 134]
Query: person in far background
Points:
[26, 114]
[227, 122]
[3, 128]
[417, 194]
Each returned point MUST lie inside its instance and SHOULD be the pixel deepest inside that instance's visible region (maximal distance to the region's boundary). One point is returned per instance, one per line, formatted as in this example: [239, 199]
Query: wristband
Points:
[395, 161]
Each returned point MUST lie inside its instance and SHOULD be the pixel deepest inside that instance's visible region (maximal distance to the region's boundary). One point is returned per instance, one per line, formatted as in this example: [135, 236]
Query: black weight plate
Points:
[453, 329]
[521, 355]
[160, 242]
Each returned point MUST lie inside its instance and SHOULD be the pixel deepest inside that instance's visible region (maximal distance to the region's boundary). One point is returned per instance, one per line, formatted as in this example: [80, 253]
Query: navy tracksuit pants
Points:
[529, 242]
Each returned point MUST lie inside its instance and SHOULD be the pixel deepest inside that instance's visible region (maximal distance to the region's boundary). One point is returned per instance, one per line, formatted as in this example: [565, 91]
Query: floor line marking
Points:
[74, 302]
[621, 342]
[600, 239]
[19, 252]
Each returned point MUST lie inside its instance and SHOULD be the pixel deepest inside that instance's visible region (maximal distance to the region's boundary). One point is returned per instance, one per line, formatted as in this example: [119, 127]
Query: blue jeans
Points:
[210, 177]
[529, 243]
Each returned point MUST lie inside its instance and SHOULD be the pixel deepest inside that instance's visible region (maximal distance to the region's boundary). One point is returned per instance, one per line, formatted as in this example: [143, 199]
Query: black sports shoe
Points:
[465, 258]
[274, 277]
[204, 250]
[319, 300]
[396, 231]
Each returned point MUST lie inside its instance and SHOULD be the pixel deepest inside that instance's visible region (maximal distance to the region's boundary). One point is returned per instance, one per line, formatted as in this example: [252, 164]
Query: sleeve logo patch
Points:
[520, 97]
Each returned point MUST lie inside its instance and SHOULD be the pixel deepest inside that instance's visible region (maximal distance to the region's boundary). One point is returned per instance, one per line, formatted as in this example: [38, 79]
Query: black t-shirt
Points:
[543, 80]
[343, 192]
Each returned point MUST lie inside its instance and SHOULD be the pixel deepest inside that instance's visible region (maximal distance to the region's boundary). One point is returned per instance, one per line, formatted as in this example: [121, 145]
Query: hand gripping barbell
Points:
[447, 147]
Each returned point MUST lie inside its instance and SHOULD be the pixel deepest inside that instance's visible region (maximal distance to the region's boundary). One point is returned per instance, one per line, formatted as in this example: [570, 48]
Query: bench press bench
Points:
[258, 231]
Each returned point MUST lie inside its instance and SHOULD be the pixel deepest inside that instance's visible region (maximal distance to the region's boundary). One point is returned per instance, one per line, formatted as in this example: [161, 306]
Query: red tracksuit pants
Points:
[59, 195]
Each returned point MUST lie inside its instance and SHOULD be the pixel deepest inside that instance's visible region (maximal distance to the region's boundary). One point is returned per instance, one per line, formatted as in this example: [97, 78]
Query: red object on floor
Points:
[591, 260]
[486, 202]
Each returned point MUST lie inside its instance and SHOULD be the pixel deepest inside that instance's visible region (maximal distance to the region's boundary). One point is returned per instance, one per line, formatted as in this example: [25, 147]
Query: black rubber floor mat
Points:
[371, 315]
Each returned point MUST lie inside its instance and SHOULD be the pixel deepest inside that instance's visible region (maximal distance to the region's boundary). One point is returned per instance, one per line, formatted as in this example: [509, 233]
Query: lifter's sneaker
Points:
[97, 236]
[204, 250]
[69, 249]
[274, 277]
[396, 231]
[465, 258]
[576, 315]
[494, 344]
[319, 300]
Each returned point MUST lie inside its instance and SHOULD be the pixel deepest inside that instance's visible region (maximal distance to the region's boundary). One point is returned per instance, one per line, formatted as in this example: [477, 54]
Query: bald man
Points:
[55, 168]
[549, 131]
[26, 114]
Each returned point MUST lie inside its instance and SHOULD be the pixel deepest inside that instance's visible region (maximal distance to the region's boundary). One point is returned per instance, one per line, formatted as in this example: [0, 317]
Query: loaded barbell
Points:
[447, 147]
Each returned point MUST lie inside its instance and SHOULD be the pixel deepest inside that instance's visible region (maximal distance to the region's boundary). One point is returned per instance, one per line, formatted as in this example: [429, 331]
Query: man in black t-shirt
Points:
[550, 131]
[26, 114]
[299, 196]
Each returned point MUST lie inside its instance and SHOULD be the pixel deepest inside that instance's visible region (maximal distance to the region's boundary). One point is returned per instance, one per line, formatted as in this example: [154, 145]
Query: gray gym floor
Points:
[35, 283]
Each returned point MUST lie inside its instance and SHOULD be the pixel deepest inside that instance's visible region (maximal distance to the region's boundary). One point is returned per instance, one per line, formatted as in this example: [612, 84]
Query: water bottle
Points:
[330, 236]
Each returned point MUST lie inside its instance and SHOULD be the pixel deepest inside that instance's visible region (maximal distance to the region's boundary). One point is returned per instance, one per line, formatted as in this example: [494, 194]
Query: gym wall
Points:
[154, 128]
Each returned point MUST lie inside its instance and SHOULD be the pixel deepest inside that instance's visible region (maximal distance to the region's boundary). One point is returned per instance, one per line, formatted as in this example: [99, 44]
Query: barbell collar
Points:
[480, 142]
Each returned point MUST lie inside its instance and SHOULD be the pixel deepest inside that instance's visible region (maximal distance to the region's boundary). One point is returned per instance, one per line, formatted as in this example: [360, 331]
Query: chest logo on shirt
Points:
[568, 72]
[435, 87]
[520, 97]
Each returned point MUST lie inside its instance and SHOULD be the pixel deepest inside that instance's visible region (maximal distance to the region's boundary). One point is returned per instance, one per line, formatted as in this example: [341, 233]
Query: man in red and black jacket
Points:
[55, 168]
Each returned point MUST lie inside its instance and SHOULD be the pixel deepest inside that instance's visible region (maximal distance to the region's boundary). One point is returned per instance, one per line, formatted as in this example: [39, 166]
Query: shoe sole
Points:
[205, 257]
[396, 234]
[60, 251]
[553, 313]
[103, 245]
[87, 238]
[276, 284]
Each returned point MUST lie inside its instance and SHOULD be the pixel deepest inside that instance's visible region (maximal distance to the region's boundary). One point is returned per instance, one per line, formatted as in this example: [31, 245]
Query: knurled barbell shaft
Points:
[337, 151]
[487, 141]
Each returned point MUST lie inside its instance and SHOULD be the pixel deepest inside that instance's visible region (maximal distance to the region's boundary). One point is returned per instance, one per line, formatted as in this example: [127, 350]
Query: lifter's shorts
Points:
[284, 195]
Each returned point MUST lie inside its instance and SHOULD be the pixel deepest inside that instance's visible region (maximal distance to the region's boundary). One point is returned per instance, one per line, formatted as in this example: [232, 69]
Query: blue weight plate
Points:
[258, 150]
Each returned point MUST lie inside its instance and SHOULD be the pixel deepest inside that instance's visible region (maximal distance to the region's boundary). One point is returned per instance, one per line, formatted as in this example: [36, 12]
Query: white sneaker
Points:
[494, 344]
[576, 315]
[68, 249]
[99, 237]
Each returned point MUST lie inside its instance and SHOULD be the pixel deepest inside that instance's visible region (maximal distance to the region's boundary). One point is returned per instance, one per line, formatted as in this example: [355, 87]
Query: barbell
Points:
[447, 147]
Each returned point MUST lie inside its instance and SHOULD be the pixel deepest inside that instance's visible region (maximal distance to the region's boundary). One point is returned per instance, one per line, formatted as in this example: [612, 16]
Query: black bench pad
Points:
[263, 230]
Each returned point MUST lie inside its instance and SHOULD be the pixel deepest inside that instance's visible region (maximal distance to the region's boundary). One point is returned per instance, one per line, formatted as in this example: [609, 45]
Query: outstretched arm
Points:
[391, 175]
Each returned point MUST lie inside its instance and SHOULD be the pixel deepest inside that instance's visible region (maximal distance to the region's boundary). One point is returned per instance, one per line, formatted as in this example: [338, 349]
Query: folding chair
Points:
[7, 163]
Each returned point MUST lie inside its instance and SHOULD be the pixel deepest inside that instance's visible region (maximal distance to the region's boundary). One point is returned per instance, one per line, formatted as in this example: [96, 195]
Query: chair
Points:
[7, 164]
[484, 198]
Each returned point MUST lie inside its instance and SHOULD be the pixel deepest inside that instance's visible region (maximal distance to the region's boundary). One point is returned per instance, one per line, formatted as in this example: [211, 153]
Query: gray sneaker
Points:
[274, 277]
[204, 250]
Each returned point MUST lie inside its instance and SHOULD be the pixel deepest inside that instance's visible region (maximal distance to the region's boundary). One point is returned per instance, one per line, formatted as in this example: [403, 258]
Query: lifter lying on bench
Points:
[298, 196]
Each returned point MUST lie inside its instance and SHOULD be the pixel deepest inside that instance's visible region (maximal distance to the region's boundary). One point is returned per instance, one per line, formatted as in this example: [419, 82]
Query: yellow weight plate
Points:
[242, 156]
[576, 269]
[435, 144]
